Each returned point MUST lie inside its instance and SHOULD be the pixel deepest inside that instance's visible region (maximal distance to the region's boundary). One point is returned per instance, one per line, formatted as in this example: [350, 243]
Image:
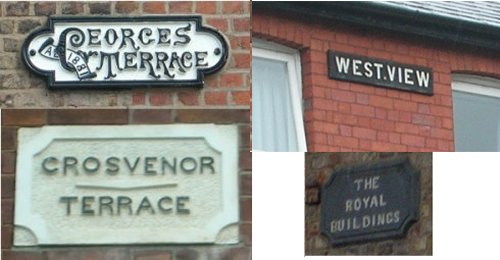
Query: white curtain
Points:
[476, 122]
[273, 126]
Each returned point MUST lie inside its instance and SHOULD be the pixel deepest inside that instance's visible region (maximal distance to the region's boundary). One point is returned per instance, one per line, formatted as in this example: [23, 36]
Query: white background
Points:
[466, 205]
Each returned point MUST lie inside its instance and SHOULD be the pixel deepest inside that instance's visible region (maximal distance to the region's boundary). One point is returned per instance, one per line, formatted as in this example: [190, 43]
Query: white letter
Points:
[342, 64]
[408, 81]
[422, 78]
[355, 67]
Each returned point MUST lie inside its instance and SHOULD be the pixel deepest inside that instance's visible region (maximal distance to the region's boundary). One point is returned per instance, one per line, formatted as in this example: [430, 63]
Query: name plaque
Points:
[126, 185]
[373, 201]
[382, 73]
[124, 52]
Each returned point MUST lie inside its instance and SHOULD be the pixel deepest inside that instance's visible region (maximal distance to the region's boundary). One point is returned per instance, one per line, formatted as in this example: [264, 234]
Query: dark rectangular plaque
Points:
[373, 201]
[382, 73]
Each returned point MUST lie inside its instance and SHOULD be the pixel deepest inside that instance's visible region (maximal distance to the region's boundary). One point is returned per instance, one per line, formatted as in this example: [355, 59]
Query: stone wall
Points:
[319, 167]
[228, 88]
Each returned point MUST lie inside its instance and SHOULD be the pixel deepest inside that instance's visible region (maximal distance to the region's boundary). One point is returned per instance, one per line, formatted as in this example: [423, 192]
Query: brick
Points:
[364, 133]
[9, 61]
[8, 162]
[387, 147]
[246, 185]
[218, 23]
[9, 137]
[151, 116]
[72, 8]
[216, 98]
[232, 7]
[345, 96]
[413, 140]
[6, 27]
[8, 186]
[216, 116]
[166, 255]
[245, 132]
[242, 60]
[157, 7]
[401, 105]
[362, 110]
[245, 160]
[100, 8]
[241, 97]
[312, 196]
[7, 238]
[87, 116]
[138, 98]
[45, 8]
[23, 117]
[25, 26]
[160, 98]
[178, 7]
[344, 141]
[190, 98]
[22, 255]
[17, 8]
[382, 102]
[125, 7]
[187, 254]
[419, 119]
[240, 42]
[345, 130]
[246, 234]
[235, 253]
[231, 80]
[11, 45]
[7, 211]
[206, 7]
[96, 253]
[246, 209]
[241, 24]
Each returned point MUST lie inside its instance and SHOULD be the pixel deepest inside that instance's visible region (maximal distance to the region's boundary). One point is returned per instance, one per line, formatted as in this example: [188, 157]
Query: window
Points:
[277, 124]
[476, 110]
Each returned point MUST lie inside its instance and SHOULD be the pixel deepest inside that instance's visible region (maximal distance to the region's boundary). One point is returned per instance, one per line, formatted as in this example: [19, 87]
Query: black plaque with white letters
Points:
[378, 72]
[372, 201]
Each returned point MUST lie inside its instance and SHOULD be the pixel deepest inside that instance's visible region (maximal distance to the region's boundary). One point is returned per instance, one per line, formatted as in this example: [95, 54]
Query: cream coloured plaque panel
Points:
[126, 185]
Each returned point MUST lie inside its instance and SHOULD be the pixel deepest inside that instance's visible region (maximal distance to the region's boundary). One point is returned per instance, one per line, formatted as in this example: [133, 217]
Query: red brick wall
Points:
[230, 87]
[345, 116]
[12, 119]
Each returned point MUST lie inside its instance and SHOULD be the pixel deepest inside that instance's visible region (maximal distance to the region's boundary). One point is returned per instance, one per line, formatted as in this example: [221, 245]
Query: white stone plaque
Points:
[127, 185]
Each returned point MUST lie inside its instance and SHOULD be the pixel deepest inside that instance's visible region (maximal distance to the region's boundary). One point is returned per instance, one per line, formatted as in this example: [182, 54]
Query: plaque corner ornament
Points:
[124, 52]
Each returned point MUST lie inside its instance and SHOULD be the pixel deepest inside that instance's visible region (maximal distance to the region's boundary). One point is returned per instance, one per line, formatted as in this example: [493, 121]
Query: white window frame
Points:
[268, 50]
[474, 84]
[479, 85]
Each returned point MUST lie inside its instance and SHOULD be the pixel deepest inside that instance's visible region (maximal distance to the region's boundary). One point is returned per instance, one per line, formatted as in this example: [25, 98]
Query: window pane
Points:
[273, 127]
[477, 122]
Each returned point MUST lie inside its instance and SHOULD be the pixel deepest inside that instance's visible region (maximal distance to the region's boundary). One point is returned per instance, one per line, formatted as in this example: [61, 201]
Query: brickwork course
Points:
[13, 119]
[319, 167]
[230, 87]
[345, 116]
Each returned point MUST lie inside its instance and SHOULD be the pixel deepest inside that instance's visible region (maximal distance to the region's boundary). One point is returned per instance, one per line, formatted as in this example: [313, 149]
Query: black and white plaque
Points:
[111, 52]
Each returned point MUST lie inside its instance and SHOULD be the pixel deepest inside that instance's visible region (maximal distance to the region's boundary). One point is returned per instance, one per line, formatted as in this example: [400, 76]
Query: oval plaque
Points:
[110, 52]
